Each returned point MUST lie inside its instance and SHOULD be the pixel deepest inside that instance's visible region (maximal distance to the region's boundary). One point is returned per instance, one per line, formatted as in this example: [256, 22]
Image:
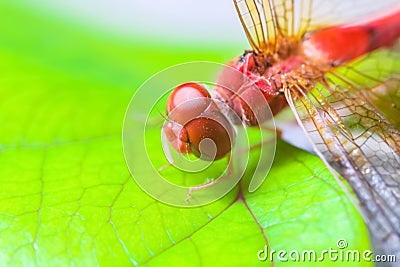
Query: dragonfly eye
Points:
[196, 125]
[210, 136]
[199, 97]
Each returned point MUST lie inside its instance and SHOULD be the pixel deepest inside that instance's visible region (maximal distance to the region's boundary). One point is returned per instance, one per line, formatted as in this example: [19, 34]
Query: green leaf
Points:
[67, 198]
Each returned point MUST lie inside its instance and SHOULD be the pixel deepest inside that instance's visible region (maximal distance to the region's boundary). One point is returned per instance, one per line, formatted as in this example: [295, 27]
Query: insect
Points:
[342, 82]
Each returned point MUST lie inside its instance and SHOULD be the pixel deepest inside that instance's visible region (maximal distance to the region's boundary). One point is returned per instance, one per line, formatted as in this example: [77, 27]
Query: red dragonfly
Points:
[342, 82]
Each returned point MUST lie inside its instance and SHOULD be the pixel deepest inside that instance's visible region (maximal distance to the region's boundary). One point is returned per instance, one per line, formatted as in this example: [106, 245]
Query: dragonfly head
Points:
[196, 124]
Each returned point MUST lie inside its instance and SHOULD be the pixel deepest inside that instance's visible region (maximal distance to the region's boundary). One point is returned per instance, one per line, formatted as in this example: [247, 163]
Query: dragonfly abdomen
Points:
[340, 44]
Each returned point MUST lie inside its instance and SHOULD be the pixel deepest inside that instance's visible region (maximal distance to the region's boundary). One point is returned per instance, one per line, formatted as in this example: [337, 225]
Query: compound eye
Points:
[210, 137]
[196, 125]
[188, 101]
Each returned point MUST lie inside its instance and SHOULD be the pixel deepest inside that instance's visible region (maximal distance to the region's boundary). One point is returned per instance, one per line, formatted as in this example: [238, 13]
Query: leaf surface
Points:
[67, 198]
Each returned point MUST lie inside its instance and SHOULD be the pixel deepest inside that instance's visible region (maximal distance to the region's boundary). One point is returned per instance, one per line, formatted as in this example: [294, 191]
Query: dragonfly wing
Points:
[263, 21]
[257, 21]
[378, 73]
[326, 13]
[351, 135]
[292, 17]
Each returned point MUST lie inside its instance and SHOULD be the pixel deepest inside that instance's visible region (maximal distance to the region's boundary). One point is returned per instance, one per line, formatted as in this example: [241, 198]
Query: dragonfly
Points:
[341, 79]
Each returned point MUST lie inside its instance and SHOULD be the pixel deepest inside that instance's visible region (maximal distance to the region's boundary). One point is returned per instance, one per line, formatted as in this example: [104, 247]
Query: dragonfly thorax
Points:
[265, 78]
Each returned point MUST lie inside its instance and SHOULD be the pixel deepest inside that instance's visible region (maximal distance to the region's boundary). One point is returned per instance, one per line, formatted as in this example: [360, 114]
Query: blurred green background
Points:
[67, 74]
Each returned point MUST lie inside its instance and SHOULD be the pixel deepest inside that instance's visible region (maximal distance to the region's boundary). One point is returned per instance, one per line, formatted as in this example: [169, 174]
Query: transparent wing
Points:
[264, 21]
[257, 21]
[334, 12]
[349, 132]
[377, 75]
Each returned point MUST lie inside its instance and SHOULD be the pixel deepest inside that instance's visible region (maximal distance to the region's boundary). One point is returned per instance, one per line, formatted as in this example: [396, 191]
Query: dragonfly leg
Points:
[211, 183]
[165, 166]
